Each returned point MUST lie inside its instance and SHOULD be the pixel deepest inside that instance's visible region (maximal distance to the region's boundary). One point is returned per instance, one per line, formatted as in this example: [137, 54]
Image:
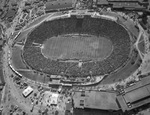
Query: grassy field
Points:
[77, 47]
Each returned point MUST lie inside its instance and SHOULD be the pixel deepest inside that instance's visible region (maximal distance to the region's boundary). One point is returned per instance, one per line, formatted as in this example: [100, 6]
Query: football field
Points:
[79, 47]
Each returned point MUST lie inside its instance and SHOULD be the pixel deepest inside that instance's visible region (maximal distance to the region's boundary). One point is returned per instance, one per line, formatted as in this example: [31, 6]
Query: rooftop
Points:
[95, 100]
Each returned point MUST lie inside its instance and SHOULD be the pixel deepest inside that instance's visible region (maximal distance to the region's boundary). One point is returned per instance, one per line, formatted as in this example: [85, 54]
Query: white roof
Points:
[27, 91]
[51, 98]
[54, 98]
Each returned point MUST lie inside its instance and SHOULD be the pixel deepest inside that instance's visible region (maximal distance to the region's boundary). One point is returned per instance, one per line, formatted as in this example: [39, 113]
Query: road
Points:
[13, 90]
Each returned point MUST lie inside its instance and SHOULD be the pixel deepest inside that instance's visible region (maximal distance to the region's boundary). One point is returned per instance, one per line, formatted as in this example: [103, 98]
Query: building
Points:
[54, 99]
[58, 5]
[95, 100]
[68, 106]
[50, 98]
[135, 96]
[27, 91]
[126, 4]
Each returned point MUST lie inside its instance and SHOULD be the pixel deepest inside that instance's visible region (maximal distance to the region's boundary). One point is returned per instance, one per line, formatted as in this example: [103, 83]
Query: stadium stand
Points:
[93, 26]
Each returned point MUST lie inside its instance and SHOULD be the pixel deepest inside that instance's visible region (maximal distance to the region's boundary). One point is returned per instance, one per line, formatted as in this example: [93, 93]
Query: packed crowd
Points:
[94, 26]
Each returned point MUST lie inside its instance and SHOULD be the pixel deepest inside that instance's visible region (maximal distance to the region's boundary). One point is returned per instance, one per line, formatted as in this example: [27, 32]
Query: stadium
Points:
[78, 47]
[85, 55]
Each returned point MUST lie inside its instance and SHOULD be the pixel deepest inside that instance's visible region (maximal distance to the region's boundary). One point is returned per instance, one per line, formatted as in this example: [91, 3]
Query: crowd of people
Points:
[93, 26]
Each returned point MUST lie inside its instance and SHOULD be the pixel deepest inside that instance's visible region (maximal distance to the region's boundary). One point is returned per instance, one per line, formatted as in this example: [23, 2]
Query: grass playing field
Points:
[79, 47]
